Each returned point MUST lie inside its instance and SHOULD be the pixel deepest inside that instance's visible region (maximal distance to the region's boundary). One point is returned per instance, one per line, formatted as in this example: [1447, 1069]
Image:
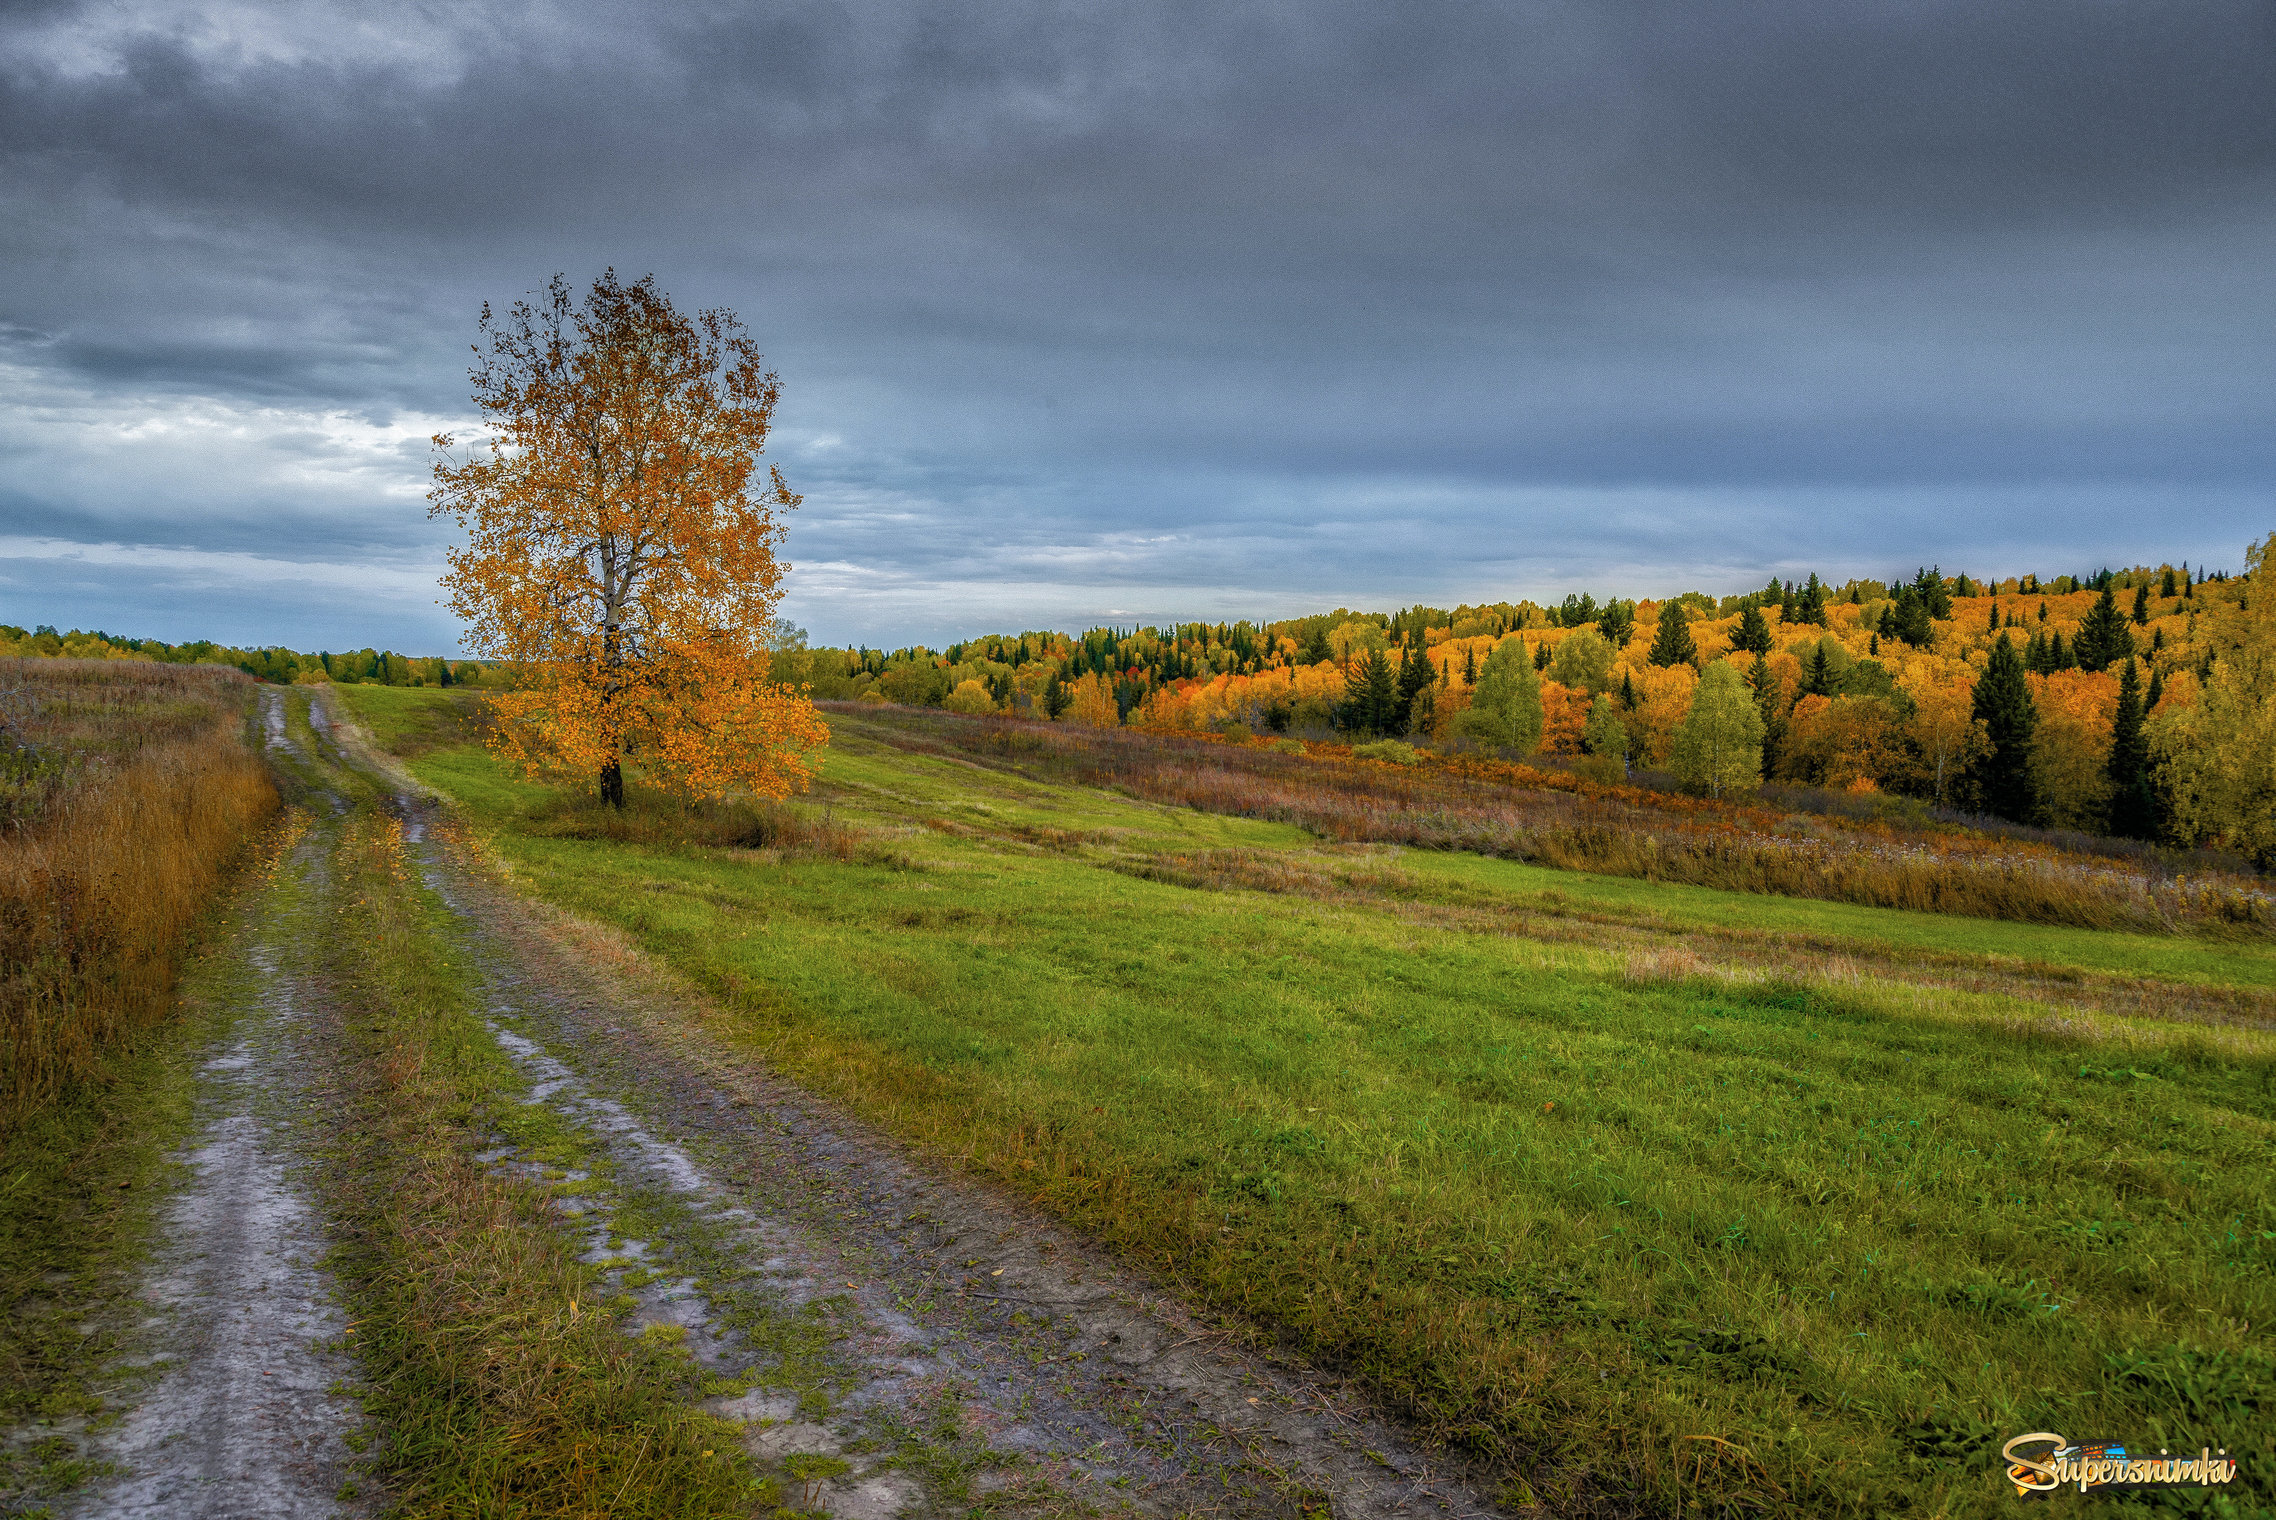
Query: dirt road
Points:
[895, 1340]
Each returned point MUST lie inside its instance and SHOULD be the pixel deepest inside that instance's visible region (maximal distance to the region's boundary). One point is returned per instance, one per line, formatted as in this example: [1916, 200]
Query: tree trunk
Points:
[612, 785]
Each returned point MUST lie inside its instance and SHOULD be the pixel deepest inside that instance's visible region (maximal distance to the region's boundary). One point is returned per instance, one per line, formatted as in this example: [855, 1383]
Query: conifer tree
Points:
[1470, 665]
[1764, 685]
[1754, 631]
[1673, 644]
[2003, 704]
[1627, 691]
[1374, 703]
[2156, 692]
[1818, 681]
[2103, 637]
[1542, 654]
[2133, 805]
[1414, 677]
[1813, 602]
[1316, 649]
[2142, 605]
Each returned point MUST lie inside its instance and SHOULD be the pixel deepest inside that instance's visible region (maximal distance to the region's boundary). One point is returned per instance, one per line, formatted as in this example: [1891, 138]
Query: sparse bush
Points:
[1393, 751]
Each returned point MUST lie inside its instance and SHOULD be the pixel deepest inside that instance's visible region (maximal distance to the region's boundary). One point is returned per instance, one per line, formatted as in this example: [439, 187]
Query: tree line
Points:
[366, 667]
[2082, 701]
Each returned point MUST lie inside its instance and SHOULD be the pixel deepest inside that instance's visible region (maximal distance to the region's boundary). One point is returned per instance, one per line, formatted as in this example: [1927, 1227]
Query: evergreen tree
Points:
[2104, 637]
[2165, 585]
[1056, 697]
[1627, 692]
[1617, 623]
[1764, 685]
[1316, 650]
[2156, 692]
[1414, 677]
[1470, 665]
[1754, 631]
[1817, 679]
[1813, 602]
[2003, 704]
[2142, 605]
[1909, 620]
[2060, 656]
[1542, 655]
[1934, 595]
[2133, 805]
[1673, 644]
[1374, 704]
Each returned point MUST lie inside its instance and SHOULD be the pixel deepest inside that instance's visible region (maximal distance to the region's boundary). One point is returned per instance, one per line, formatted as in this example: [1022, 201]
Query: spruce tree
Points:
[1414, 676]
[1813, 609]
[2156, 692]
[1627, 691]
[1910, 621]
[2133, 806]
[2003, 704]
[1316, 649]
[1673, 644]
[1542, 655]
[1469, 665]
[1754, 631]
[2104, 637]
[1765, 688]
[1374, 700]
[2142, 605]
[1817, 681]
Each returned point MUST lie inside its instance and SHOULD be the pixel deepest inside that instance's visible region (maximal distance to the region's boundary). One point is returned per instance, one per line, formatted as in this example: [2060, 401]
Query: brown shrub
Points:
[146, 792]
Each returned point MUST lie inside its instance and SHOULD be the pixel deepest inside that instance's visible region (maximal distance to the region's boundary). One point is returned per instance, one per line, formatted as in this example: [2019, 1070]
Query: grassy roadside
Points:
[1746, 1244]
[81, 1182]
[498, 1366]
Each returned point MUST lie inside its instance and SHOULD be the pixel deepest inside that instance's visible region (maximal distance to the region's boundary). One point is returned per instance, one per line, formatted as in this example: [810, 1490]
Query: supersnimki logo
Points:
[2107, 1464]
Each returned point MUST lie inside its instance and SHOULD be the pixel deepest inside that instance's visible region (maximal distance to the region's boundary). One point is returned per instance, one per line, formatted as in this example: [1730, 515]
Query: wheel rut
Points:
[249, 1410]
[924, 1342]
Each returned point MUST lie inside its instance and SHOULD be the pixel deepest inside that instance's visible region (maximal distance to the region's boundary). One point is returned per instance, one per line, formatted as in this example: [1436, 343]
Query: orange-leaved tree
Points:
[620, 544]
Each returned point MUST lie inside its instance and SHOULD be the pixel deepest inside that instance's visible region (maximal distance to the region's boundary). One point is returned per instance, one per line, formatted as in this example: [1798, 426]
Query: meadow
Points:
[1656, 1195]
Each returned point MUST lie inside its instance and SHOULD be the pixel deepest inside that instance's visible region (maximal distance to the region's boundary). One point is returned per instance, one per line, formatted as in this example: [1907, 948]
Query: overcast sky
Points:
[1139, 311]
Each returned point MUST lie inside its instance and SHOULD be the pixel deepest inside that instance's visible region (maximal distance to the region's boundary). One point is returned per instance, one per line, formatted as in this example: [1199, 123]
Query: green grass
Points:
[1810, 1245]
[502, 1377]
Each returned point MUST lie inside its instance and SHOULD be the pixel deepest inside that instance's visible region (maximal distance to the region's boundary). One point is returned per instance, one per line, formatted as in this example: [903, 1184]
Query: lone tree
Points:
[620, 551]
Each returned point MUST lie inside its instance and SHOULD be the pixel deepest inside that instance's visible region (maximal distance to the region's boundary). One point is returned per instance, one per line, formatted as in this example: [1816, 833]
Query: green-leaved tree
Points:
[1505, 710]
[1718, 748]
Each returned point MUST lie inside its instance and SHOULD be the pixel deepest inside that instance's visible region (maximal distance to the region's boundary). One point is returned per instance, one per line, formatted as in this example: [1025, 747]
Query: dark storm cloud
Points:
[1197, 308]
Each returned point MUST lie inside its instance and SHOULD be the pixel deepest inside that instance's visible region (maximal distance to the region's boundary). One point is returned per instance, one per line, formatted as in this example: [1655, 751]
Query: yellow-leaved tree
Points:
[619, 549]
[2217, 757]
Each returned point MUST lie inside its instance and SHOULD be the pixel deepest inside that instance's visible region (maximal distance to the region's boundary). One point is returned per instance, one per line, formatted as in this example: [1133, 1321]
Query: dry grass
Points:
[1516, 813]
[129, 793]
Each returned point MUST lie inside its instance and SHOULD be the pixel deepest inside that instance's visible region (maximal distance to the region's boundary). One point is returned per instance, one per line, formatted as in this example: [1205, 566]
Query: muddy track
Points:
[248, 1413]
[941, 1340]
[893, 1339]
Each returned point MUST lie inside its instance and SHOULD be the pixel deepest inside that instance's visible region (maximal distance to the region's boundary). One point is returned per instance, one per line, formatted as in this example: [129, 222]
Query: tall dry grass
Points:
[1514, 812]
[130, 792]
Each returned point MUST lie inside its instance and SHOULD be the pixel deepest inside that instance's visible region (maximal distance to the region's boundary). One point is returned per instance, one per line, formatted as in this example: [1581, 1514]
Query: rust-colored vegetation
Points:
[1556, 819]
[127, 791]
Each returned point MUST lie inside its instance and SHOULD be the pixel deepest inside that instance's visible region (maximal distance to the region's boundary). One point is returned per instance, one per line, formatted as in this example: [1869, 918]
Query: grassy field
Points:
[1656, 1194]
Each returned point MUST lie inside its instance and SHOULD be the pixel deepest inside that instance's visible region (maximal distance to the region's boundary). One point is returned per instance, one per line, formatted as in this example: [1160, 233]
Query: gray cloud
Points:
[1188, 308]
